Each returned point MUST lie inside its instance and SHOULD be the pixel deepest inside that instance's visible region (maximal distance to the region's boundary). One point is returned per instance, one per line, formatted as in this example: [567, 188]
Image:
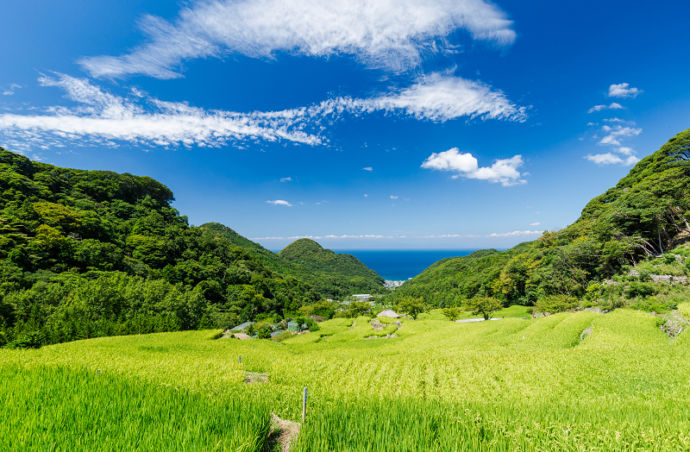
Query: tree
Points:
[412, 306]
[452, 313]
[484, 306]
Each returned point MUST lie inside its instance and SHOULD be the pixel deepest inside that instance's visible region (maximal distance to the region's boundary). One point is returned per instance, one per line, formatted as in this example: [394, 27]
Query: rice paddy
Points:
[572, 381]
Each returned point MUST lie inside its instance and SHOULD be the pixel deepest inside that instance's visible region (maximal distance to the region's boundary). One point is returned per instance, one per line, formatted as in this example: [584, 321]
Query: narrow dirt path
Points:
[283, 432]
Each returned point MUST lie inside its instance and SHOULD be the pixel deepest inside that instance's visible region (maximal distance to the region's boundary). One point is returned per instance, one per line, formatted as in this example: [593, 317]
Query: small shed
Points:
[294, 326]
[242, 326]
[388, 313]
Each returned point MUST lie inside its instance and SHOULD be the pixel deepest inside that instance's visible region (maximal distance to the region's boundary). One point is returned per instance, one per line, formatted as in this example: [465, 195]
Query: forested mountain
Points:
[325, 269]
[331, 274]
[645, 214]
[92, 253]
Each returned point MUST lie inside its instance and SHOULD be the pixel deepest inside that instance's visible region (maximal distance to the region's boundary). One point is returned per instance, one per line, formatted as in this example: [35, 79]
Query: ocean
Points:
[398, 265]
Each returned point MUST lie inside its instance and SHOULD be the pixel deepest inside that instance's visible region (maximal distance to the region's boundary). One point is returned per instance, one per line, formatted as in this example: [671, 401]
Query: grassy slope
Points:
[508, 384]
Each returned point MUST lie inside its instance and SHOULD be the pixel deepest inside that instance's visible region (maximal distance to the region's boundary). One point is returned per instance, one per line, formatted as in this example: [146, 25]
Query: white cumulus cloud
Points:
[615, 133]
[623, 90]
[466, 165]
[391, 34]
[286, 179]
[368, 168]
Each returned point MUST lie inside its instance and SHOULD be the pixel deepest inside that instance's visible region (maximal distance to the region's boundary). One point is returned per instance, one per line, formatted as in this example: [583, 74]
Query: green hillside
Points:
[93, 253]
[645, 214]
[324, 268]
[571, 381]
[333, 275]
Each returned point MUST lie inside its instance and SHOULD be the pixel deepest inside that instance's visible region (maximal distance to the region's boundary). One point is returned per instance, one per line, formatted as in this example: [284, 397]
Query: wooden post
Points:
[240, 359]
[304, 405]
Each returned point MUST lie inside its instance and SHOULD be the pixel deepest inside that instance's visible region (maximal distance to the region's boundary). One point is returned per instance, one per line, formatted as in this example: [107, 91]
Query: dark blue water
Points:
[402, 264]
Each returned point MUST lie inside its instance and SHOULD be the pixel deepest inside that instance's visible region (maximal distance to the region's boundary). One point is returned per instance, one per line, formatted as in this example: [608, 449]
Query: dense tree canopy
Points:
[645, 214]
[91, 253]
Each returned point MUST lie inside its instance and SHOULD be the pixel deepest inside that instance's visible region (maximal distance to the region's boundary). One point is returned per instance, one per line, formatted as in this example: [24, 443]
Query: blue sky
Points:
[365, 125]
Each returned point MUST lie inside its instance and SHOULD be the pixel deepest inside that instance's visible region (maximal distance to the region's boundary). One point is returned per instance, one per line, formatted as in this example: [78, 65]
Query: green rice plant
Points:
[509, 384]
[58, 408]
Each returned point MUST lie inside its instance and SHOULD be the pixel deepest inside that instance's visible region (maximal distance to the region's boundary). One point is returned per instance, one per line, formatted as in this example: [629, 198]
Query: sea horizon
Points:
[402, 264]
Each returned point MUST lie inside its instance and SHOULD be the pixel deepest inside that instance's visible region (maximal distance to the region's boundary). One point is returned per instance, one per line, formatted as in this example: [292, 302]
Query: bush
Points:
[452, 313]
[640, 289]
[556, 303]
[264, 332]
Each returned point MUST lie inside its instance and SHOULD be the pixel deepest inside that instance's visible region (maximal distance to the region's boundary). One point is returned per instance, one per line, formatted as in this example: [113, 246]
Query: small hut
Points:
[242, 326]
[388, 313]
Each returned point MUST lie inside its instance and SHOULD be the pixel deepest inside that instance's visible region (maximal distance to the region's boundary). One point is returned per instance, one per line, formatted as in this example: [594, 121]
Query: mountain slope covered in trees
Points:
[323, 268]
[331, 274]
[93, 253]
[645, 214]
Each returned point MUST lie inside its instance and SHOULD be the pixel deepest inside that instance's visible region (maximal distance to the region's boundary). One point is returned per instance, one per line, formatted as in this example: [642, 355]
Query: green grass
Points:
[510, 384]
[515, 311]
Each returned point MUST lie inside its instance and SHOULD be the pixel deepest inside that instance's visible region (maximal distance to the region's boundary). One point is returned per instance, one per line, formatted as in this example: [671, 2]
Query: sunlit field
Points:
[572, 381]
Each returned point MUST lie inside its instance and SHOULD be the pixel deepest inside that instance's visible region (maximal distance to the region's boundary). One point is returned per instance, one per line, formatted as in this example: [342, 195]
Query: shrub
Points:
[452, 313]
[264, 332]
[556, 303]
[640, 289]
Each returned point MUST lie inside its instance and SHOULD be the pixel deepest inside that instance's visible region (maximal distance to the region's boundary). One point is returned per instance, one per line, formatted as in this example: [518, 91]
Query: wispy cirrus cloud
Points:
[503, 171]
[10, 90]
[390, 34]
[105, 118]
[611, 106]
[516, 233]
[441, 97]
[279, 202]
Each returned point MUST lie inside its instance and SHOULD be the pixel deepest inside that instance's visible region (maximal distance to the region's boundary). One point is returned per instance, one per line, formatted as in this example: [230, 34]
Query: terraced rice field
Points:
[572, 381]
